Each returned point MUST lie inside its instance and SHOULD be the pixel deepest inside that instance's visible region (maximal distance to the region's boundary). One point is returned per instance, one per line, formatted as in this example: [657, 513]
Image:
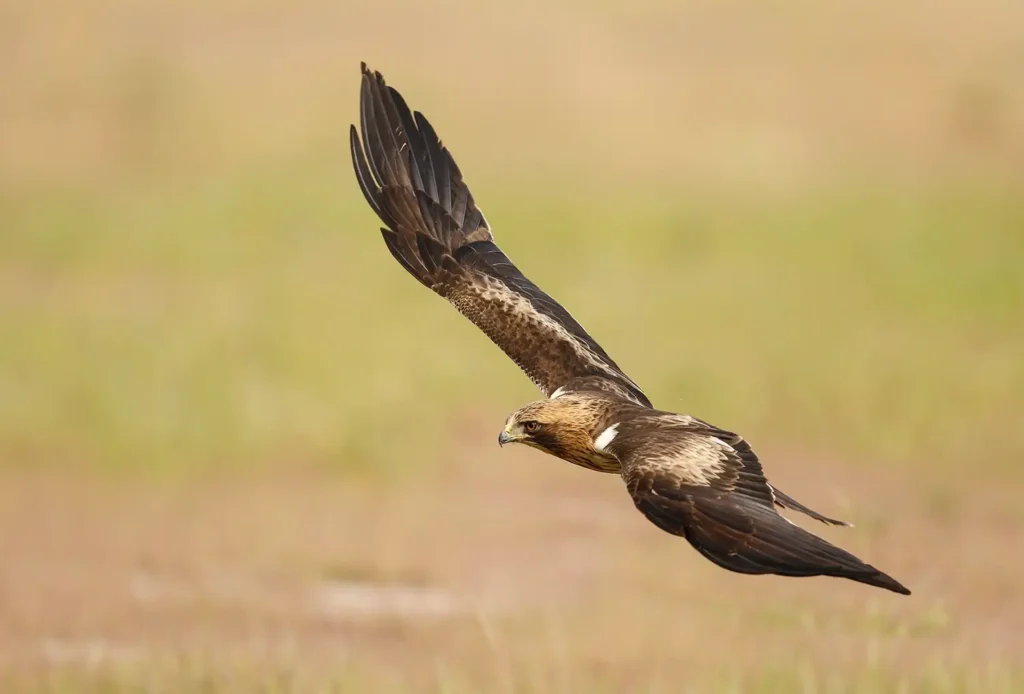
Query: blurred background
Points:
[241, 450]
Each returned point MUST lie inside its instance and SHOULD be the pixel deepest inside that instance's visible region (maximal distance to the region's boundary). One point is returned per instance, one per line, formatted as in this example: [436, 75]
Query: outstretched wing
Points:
[705, 484]
[435, 230]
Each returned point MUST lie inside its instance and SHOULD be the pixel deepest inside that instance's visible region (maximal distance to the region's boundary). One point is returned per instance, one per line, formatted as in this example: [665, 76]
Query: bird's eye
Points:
[531, 427]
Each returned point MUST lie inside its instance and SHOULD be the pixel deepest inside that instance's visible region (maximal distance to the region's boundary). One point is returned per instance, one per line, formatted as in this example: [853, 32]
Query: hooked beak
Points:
[505, 437]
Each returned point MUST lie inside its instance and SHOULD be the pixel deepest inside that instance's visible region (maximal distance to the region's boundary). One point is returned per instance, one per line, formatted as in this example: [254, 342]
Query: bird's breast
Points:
[597, 462]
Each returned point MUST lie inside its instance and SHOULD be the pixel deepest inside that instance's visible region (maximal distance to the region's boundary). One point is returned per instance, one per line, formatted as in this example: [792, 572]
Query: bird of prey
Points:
[688, 477]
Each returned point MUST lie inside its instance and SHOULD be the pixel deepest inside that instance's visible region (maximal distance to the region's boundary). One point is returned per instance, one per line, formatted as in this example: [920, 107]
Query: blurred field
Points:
[241, 450]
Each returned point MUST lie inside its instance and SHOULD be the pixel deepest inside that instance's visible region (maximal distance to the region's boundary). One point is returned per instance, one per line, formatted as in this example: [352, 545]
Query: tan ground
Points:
[513, 567]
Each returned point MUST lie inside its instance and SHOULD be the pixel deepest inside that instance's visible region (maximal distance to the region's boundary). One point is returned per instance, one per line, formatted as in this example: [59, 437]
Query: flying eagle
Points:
[688, 477]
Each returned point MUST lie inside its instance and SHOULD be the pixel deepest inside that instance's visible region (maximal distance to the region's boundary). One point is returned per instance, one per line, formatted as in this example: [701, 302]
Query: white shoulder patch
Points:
[606, 437]
[560, 391]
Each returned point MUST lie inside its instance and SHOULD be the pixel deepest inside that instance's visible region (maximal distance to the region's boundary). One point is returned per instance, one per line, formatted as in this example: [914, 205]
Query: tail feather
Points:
[786, 501]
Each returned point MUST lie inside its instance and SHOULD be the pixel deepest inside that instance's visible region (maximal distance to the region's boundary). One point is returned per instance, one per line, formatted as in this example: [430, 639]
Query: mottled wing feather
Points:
[740, 469]
[686, 452]
[612, 389]
[435, 231]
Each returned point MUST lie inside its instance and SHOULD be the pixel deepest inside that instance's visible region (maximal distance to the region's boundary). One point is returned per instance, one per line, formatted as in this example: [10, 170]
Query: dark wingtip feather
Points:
[748, 537]
[363, 176]
[413, 266]
[408, 178]
[881, 580]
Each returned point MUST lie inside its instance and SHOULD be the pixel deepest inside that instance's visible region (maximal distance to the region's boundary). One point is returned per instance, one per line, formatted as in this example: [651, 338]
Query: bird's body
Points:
[686, 476]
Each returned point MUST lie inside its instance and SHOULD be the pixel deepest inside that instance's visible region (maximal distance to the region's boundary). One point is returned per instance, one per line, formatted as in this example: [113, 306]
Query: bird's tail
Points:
[411, 181]
[786, 501]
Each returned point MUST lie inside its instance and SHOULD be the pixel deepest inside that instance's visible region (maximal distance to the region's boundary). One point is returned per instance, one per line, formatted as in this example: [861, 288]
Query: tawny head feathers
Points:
[565, 427]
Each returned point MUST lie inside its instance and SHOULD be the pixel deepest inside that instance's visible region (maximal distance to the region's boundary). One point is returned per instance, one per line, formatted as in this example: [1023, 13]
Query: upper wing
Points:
[692, 479]
[439, 235]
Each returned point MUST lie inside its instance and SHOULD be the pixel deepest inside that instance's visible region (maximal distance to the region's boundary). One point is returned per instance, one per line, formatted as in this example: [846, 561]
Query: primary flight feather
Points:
[686, 476]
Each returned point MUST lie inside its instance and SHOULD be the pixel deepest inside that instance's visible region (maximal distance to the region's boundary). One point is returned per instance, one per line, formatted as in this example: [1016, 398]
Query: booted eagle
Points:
[688, 477]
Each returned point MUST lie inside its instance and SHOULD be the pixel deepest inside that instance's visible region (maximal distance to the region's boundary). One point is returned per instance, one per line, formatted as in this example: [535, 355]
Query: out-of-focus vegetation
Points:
[804, 222]
[262, 318]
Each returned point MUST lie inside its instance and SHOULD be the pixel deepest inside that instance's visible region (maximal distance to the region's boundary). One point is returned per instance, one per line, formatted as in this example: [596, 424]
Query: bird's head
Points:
[564, 427]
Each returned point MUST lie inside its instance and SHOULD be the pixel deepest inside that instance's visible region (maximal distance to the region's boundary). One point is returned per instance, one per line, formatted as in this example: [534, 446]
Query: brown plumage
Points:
[686, 476]
[435, 231]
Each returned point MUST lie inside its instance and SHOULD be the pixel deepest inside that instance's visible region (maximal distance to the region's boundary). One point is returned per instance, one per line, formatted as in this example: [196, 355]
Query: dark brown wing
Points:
[703, 483]
[439, 235]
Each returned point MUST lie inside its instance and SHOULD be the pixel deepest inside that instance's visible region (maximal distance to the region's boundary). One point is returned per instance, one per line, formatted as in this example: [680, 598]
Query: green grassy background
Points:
[258, 319]
[804, 222]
